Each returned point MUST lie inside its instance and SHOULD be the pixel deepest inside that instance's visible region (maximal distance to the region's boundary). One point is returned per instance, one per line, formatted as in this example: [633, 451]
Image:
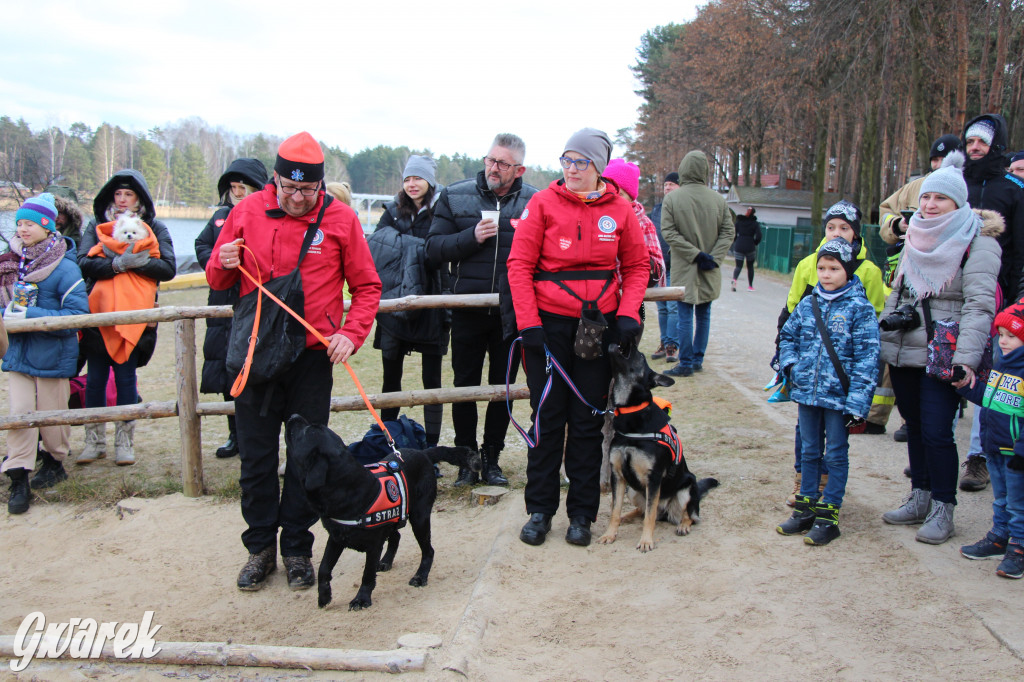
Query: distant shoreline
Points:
[9, 203]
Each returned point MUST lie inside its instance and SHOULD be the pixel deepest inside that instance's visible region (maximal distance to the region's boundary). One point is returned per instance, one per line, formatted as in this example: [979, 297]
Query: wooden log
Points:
[90, 415]
[188, 418]
[256, 655]
[172, 313]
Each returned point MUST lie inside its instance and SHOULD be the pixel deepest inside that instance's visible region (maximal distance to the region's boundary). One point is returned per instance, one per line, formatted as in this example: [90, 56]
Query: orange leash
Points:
[243, 376]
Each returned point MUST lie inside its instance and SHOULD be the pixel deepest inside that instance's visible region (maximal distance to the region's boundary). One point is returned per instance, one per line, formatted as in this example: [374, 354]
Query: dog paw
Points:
[418, 580]
[323, 596]
[645, 545]
[683, 530]
[606, 539]
[384, 566]
[358, 604]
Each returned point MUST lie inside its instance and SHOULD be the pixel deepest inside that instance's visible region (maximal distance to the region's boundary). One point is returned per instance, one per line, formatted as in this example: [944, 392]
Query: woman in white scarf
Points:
[951, 259]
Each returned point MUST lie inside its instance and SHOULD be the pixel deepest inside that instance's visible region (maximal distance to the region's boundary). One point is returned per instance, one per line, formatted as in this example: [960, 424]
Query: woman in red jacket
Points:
[564, 255]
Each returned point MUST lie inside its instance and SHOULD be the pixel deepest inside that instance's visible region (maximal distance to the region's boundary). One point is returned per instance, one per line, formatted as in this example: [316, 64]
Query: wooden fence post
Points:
[188, 416]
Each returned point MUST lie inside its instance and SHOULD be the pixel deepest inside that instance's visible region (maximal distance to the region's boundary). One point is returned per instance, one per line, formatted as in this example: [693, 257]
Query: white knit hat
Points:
[948, 180]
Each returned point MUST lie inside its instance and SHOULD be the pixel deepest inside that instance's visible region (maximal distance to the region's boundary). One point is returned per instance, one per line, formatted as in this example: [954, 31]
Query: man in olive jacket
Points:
[698, 227]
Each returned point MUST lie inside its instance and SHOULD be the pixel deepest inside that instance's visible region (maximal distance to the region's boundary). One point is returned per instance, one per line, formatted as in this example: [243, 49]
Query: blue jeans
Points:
[928, 406]
[1007, 498]
[693, 340]
[815, 421]
[668, 321]
[98, 373]
[798, 451]
[975, 446]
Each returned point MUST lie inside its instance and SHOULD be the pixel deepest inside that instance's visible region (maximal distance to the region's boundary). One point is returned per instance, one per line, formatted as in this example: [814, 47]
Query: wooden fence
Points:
[189, 410]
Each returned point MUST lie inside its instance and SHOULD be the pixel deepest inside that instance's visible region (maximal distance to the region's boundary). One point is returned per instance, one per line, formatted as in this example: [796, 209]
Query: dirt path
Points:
[732, 600]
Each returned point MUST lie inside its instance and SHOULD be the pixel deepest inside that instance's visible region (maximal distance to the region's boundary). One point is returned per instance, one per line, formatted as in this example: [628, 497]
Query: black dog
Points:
[646, 454]
[361, 509]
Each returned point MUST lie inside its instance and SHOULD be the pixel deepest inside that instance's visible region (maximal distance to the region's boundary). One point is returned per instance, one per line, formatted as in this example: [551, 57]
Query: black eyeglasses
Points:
[502, 166]
[581, 164]
[304, 191]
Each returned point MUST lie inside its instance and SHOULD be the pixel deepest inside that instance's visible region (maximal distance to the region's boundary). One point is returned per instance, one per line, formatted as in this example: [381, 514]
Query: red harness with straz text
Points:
[391, 504]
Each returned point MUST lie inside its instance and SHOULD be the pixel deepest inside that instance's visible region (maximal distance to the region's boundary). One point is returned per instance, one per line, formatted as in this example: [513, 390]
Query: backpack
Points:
[374, 445]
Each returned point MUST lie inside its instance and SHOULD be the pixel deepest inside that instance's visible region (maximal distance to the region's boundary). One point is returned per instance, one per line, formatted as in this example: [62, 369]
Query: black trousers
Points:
[566, 424]
[392, 381]
[260, 412]
[474, 335]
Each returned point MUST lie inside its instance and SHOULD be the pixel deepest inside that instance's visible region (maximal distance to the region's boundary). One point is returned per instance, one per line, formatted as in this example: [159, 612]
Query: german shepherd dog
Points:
[661, 487]
[344, 493]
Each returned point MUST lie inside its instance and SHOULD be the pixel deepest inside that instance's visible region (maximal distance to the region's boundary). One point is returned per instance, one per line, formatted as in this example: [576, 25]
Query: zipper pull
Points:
[579, 231]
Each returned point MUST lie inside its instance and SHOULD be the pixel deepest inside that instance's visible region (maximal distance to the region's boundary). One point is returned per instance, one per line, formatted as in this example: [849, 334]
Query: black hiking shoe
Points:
[801, 520]
[975, 476]
[536, 529]
[579, 531]
[466, 477]
[257, 568]
[20, 493]
[229, 449]
[826, 525]
[50, 473]
[300, 572]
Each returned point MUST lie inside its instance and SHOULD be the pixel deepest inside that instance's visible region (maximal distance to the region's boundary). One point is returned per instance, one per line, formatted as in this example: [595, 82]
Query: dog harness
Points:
[666, 435]
[391, 504]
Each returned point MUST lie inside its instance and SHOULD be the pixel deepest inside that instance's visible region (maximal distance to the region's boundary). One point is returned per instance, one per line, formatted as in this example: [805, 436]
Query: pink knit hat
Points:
[624, 174]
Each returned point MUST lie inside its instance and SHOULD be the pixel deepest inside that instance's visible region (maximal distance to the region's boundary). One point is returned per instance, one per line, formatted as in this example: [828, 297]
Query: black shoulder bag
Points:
[827, 340]
[281, 339]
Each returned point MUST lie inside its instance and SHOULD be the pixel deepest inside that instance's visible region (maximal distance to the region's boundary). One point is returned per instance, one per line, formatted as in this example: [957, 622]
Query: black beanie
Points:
[844, 210]
[944, 145]
[841, 250]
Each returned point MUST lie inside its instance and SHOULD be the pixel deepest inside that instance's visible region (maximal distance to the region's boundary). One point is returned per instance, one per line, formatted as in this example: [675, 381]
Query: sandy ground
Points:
[732, 600]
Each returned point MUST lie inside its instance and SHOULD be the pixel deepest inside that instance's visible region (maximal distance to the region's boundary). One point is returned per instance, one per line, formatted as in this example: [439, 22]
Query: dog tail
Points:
[704, 485]
[460, 457]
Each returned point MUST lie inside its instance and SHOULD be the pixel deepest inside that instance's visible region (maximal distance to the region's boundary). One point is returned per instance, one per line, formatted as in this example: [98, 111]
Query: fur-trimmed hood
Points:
[992, 223]
[73, 226]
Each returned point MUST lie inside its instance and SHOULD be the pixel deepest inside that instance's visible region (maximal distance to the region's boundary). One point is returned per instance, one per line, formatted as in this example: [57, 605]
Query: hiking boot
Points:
[95, 444]
[50, 473]
[938, 527]
[826, 525]
[900, 434]
[660, 353]
[466, 477]
[913, 510]
[874, 429]
[229, 449]
[256, 569]
[671, 353]
[20, 493]
[802, 518]
[679, 371]
[124, 447]
[579, 531]
[975, 475]
[536, 529]
[791, 500]
[491, 474]
[300, 572]
[989, 547]
[1012, 565]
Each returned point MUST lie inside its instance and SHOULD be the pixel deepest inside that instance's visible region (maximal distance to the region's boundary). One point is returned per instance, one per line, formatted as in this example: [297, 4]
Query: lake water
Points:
[183, 235]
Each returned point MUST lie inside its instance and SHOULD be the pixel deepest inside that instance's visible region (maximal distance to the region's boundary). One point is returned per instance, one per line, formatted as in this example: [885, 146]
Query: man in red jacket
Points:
[272, 224]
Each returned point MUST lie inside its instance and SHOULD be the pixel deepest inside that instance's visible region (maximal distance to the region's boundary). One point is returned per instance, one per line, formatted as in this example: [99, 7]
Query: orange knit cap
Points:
[300, 159]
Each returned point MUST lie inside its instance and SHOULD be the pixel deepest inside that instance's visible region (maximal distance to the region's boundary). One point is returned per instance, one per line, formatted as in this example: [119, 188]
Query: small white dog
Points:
[128, 228]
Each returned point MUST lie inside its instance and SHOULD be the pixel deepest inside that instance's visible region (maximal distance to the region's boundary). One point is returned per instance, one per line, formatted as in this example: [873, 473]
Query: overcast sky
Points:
[445, 76]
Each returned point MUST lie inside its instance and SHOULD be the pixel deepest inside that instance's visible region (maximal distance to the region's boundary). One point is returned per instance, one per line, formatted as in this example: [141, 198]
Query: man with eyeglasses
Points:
[477, 249]
[272, 225]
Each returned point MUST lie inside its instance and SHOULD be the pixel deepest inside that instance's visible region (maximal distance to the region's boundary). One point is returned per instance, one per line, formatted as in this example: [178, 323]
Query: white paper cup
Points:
[493, 215]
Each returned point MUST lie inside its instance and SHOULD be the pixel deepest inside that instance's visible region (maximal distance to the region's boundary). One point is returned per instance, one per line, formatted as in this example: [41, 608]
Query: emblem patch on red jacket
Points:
[564, 243]
[515, 222]
[606, 224]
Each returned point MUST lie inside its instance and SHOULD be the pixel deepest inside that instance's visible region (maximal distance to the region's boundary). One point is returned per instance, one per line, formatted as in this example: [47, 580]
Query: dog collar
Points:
[660, 402]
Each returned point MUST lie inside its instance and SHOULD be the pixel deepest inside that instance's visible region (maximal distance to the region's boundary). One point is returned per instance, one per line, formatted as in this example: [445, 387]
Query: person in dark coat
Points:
[243, 177]
[744, 246]
[125, 192]
[399, 252]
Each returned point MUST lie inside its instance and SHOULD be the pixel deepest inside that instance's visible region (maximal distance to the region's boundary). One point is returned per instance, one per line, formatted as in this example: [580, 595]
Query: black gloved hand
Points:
[852, 420]
[629, 330]
[534, 338]
[705, 261]
[1016, 463]
[787, 371]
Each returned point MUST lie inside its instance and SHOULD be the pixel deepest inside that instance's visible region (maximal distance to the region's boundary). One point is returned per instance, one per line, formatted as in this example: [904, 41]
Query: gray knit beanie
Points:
[592, 144]
[948, 180]
[422, 167]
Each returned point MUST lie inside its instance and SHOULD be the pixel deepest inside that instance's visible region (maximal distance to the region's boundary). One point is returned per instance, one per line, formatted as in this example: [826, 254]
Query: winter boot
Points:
[975, 476]
[826, 525]
[124, 448]
[913, 510]
[791, 500]
[492, 473]
[230, 447]
[50, 473]
[466, 476]
[95, 444]
[660, 353]
[802, 518]
[938, 527]
[671, 353]
[20, 493]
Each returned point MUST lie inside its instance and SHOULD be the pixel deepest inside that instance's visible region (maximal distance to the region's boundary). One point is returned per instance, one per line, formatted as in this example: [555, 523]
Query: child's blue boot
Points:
[826, 524]
[802, 518]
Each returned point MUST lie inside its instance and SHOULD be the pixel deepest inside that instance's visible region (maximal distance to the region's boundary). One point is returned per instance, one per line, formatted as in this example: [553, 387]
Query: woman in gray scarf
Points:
[949, 265]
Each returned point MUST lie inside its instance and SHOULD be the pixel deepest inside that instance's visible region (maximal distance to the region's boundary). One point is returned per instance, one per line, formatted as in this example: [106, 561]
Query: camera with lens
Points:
[903, 319]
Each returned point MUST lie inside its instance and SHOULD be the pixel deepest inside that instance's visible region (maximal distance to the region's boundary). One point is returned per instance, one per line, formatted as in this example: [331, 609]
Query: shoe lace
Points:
[972, 466]
[938, 509]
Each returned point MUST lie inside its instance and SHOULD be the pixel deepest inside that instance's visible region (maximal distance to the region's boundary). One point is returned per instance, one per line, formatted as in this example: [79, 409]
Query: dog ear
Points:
[662, 380]
[316, 475]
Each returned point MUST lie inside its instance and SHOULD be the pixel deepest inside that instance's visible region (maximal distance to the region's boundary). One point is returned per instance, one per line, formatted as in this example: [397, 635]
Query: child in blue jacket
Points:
[829, 401]
[39, 278]
[1002, 411]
